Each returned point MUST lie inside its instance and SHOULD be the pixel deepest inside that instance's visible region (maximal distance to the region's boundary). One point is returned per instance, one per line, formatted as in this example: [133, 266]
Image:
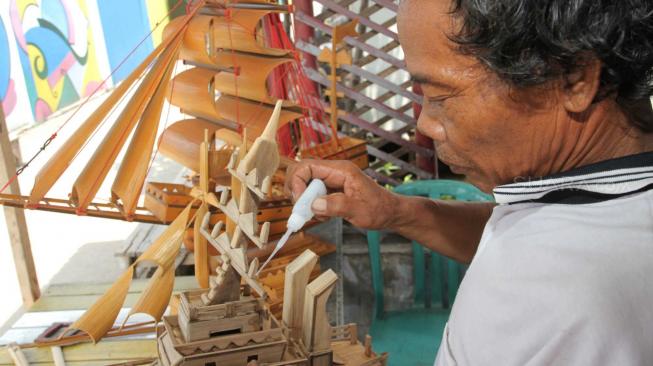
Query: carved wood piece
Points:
[316, 328]
[296, 279]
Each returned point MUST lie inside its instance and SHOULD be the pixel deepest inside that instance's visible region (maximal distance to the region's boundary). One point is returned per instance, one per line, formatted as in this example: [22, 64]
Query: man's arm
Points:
[451, 228]
[448, 227]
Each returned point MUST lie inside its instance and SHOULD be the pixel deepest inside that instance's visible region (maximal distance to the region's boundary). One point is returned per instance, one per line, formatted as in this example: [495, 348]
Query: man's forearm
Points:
[452, 228]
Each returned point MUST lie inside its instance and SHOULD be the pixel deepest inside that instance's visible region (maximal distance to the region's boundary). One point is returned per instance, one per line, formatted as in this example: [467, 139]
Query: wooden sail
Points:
[60, 160]
[131, 175]
[248, 80]
[89, 181]
[100, 317]
[181, 141]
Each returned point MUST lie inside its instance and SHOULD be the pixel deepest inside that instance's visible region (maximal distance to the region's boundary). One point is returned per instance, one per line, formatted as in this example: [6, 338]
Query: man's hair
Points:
[528, 42]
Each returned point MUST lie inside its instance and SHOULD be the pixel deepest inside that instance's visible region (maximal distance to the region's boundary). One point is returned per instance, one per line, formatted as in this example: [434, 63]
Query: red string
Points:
[305, 91]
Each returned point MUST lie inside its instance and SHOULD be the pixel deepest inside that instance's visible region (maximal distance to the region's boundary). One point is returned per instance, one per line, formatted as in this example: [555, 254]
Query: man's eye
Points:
[436, 100]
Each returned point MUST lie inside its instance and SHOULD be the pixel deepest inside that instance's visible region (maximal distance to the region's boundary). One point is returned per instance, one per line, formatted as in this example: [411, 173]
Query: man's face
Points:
[482, 128]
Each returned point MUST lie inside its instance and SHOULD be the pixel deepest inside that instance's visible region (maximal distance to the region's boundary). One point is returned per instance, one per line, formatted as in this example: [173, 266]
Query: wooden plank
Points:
[46, 318]
[85, 353]
[29, 335]
[84, 363]
[138, 285]
[104, 362]
[66, 297]
[16, 224]
[74, 302]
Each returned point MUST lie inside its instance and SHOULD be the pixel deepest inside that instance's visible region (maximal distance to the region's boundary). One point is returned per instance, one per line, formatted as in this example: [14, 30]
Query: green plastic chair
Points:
[412, 336]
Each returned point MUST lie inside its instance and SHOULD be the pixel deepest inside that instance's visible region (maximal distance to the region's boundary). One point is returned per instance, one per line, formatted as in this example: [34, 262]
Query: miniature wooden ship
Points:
[228, 325]
[226, 91]
[244, 332]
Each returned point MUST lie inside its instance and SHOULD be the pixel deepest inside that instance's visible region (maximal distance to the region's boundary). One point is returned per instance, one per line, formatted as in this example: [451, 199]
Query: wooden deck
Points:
[66, 303]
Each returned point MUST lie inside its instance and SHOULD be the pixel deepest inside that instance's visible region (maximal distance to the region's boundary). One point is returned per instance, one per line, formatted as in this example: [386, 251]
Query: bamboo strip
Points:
[58, 163]
[89, 181]
[131, 175]
[100, 317]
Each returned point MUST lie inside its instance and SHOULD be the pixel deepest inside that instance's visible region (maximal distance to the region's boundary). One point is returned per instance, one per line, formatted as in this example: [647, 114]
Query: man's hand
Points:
[353, 195]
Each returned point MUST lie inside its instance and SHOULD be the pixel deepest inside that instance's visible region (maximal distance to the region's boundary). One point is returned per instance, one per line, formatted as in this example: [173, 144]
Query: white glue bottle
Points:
[301, 214]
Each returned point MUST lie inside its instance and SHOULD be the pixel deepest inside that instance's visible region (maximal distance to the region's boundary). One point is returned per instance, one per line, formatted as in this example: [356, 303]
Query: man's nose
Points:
[431, 127]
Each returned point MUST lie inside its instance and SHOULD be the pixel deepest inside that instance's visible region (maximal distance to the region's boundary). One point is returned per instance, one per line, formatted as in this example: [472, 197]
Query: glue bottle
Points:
[301, 214]
[302, 211]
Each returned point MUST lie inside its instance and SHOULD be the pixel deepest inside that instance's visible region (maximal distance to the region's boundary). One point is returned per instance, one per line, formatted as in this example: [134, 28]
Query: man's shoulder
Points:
[603, 221]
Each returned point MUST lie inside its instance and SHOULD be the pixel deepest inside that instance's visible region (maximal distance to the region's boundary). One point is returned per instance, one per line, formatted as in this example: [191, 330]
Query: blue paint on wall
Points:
[51, 45]
[125, 23]
[54, 12]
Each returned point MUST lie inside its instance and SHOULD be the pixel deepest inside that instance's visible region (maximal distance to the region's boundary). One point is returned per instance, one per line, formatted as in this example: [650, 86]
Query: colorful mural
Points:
[7, 88]
[57, 52]
[54, 52]
[12, 83]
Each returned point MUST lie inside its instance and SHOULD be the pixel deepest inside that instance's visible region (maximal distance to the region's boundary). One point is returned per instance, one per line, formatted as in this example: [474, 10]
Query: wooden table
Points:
[66, 303]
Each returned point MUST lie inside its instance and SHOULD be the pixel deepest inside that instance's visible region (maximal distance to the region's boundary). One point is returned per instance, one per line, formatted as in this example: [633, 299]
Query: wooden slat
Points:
[317, 24]
[406, 129]
[381, 74]
[356, 70]
[384, 49]
[382, 178]
[104, 210]
[326, 12]
[138, 285]
[86, 353]
[16, 224]
[384, 90]
[315, 76]
[382, 98]
[369, 11]
[388, 4]
[385, 119]
[388, 135]
[394, 160]
[46, 318]
[81, 297]
[362, 20]
[104, 362]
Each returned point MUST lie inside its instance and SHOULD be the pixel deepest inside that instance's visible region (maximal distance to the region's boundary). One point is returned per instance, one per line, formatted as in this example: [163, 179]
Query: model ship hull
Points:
[239, 332]
[229, 334]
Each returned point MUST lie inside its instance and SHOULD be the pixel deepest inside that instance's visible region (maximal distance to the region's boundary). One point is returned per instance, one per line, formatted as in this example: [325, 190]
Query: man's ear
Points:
[581, 85]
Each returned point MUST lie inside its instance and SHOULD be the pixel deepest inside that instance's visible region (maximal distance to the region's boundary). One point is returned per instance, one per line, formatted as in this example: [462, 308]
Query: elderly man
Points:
[545, 103]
